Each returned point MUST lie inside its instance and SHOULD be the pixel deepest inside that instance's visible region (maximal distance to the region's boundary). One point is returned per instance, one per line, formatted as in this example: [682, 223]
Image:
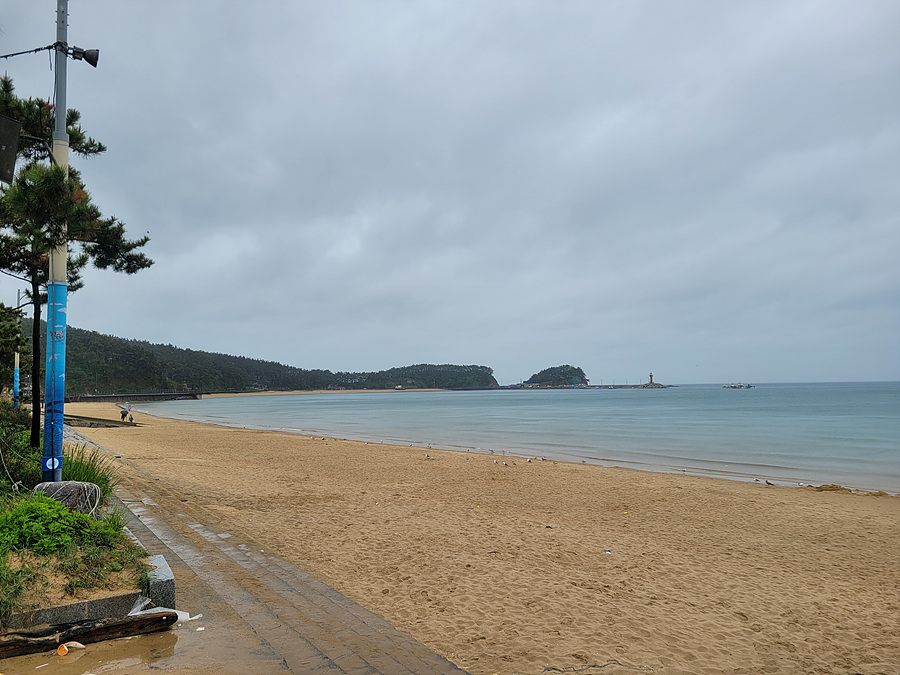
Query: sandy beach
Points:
[505, 565]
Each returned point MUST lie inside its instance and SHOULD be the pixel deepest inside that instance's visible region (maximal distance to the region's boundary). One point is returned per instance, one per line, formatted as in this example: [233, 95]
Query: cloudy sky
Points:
[706, 190]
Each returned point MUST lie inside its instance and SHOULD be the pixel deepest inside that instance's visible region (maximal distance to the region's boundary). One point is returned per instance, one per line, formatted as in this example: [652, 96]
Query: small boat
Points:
[737, 386]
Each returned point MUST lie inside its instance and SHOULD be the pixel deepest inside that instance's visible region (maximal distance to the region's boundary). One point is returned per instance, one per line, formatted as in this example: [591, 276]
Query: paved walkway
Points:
[311, 626]
[261, 614]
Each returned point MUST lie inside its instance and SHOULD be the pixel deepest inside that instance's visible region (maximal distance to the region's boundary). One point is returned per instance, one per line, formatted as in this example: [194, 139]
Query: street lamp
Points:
[89, 55]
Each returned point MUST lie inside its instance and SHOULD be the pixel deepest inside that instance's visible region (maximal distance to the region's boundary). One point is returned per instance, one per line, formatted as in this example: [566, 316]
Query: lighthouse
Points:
[651, 378]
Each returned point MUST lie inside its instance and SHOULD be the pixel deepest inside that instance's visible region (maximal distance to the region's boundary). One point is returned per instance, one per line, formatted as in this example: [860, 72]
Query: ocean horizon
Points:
[845, 433]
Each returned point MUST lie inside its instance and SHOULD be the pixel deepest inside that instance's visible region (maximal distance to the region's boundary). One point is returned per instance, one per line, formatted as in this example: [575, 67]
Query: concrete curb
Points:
[162, 594]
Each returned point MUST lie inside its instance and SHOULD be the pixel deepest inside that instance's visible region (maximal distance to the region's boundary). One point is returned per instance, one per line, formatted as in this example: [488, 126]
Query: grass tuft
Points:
[89, 465]
[18, 582]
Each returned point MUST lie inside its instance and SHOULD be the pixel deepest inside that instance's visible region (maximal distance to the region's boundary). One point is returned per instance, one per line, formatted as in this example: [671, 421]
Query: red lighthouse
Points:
[651, 378]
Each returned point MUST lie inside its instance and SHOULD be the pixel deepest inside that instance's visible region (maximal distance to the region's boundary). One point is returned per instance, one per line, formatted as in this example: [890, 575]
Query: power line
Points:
[30, 51]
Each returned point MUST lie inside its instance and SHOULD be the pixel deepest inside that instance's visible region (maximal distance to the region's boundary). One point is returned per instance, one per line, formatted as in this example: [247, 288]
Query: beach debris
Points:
[64, 648]
[831, 487]
[182, 615]
[77, 495]
[44, 637]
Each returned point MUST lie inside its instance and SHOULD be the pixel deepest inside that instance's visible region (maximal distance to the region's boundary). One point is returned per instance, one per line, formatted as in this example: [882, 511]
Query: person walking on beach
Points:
[124, 414]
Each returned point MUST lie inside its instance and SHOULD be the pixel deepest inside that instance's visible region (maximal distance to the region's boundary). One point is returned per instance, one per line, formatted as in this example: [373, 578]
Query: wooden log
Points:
[45, 638]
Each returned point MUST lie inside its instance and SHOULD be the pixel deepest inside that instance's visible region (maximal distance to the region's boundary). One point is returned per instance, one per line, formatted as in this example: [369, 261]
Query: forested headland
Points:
[558, 376]
[104, 364]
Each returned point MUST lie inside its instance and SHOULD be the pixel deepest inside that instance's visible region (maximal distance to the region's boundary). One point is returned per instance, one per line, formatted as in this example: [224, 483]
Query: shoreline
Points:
[758, 478]
[296, 392]
[700, 467]
[536, 565]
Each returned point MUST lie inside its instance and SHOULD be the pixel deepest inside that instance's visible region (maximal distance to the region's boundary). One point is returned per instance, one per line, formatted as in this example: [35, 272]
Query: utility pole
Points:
[57, 286]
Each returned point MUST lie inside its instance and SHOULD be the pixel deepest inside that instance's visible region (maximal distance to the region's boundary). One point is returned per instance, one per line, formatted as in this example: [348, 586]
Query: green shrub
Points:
[20, 464]
[85, 551]
[45, 526]
[9, 414]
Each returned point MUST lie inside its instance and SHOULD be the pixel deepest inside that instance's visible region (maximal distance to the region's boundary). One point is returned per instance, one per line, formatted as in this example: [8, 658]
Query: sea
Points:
[790, 434]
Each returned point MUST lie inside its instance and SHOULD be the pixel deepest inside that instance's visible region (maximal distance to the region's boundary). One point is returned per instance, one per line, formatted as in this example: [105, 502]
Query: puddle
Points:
[180, 650]
[99, 657]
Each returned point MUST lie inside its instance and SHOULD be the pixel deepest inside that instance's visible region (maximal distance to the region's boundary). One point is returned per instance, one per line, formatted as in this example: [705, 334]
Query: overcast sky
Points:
[706, 190]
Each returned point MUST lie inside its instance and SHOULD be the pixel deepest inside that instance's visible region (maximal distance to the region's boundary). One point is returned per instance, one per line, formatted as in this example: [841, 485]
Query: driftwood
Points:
[44, 638]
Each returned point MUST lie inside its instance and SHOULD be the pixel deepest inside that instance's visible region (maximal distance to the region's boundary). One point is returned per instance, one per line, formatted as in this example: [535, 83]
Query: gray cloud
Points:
[704, 190]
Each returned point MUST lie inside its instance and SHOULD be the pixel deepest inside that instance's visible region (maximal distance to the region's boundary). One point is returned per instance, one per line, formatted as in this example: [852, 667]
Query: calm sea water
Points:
[845, 433]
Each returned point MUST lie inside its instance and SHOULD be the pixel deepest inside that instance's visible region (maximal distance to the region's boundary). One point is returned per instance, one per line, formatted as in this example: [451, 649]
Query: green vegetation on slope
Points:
[558, 376]
[97, 363]
[42, 540]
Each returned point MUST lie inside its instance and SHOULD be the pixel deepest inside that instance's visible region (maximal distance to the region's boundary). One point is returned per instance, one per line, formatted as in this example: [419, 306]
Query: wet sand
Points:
[540, 567]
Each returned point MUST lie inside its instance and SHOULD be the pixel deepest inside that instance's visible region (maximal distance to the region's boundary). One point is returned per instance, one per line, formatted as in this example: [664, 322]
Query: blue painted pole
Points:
[16, 368]
[57, 286]
[55, 382]
[16, 383]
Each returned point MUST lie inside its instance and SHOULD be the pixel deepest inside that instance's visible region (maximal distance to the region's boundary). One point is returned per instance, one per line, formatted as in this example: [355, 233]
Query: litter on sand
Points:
[64, 648]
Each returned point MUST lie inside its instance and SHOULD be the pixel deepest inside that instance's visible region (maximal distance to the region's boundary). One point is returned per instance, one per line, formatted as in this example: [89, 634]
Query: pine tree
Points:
[46, 206]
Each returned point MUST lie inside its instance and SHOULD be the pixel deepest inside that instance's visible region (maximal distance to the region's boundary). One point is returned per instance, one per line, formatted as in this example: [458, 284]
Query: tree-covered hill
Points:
[98, 363]
[558, 376]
